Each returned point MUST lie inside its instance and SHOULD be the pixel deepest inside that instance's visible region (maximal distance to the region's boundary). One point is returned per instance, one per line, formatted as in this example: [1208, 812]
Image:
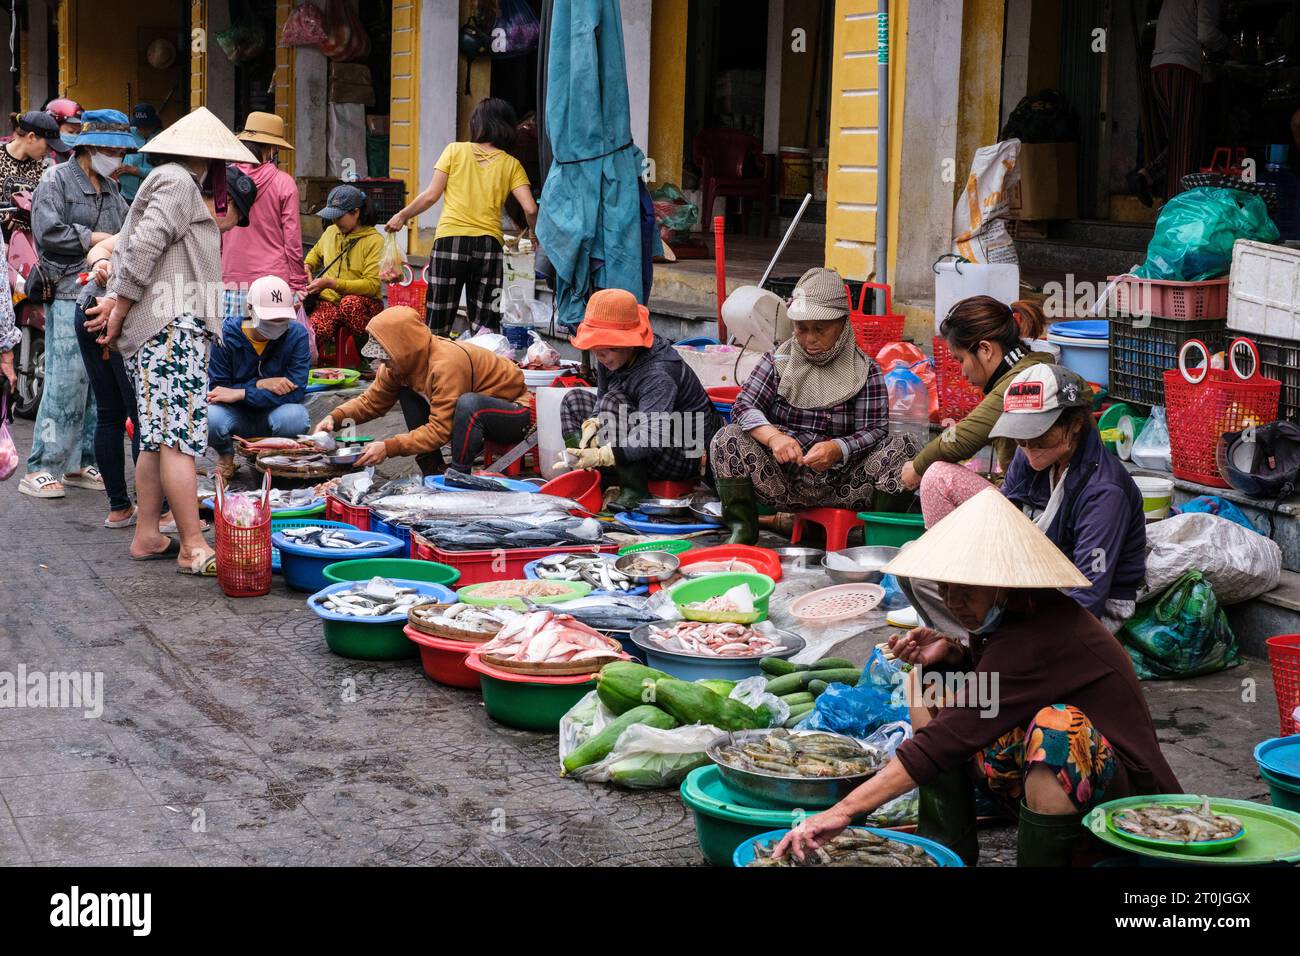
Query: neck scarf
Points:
[822, 381]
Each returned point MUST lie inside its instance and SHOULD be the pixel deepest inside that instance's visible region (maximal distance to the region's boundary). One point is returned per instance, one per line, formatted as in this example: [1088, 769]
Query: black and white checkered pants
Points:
[474, 263]
[668, 464]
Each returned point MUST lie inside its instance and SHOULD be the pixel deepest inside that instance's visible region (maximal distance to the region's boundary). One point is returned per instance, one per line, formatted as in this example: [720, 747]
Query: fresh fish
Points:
[378, 597]
[352, 488]
[459, 479]
[460, 503]
[853, 847]
[606, 616]
[801, 755]
[1181, 824]
[318, 537]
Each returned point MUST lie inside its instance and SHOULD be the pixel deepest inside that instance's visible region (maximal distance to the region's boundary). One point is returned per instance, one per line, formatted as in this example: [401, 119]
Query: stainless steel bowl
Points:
[877, 556]
[810, 792]
[669, 561]
[345, 458]
[665, 507]
[801, 558]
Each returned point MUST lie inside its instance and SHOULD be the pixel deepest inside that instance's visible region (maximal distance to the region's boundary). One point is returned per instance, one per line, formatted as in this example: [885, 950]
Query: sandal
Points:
[172, 550]
[169, 527]
[42, 485]
[126, 522]
[88, 478]
[204, 564]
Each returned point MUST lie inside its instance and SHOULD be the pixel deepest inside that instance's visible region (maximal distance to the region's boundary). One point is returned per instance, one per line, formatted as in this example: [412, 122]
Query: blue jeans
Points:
[227, 421]
[64, 438]
[115, 400]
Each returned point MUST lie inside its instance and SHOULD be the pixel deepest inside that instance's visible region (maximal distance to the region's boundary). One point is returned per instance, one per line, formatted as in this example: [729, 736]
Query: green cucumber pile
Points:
[799, 685]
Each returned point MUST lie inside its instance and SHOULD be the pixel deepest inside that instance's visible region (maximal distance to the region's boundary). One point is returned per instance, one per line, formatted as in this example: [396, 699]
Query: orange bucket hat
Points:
[614, 319]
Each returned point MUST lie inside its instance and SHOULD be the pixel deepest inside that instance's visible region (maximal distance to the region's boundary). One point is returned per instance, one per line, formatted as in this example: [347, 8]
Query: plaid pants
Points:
[474, 263]
[667, 464]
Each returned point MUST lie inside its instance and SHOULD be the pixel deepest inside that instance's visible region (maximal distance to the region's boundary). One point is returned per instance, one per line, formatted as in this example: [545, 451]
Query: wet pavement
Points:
[231, 735]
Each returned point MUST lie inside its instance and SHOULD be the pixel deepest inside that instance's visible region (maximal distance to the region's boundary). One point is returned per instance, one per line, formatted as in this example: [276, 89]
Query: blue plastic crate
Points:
[401, 532]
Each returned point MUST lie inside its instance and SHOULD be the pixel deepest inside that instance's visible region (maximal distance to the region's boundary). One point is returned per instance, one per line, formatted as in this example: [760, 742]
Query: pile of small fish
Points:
[642, 566]
[296, 462]
[295, 498]
[552, 529]
[851, 848]
[597, 571]
[521, 589]
[1179, 824]
[801, 755]
[467, 617]
[715, 640]
[318, 537]
[378, 597]
[545, 637]
[717, 567]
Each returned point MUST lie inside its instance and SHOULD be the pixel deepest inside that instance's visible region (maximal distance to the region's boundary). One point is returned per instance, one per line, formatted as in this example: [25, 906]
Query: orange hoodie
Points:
[438, 369]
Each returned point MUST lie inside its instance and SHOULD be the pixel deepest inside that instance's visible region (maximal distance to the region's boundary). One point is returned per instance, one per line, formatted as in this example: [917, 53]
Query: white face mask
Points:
[103, 163]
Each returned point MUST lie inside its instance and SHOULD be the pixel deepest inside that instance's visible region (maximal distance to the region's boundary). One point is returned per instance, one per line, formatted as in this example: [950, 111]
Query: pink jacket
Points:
[271, 243]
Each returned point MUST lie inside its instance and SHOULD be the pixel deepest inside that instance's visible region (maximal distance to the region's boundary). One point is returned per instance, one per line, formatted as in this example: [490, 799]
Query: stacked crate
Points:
[1264, 306]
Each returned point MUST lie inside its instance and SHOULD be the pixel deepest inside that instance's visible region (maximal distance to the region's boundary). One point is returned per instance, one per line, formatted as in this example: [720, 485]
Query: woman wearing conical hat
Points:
[1049, 717]
[163, 307]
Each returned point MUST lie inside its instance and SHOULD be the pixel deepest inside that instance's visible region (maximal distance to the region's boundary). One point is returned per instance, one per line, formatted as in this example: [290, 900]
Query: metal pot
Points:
[664, 507]
[873, 556]
[769, 788]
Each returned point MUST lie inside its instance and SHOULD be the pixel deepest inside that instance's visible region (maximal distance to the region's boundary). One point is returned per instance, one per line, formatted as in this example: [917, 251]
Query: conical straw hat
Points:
[987, 541]
[201, 135]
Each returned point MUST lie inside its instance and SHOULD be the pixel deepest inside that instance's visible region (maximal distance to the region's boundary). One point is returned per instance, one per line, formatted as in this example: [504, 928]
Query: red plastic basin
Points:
[764, 560]
[723, 393]
[582, 486]
[444, 659]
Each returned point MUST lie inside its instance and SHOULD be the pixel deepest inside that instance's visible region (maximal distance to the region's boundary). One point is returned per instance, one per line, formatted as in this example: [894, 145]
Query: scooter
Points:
[29, 356]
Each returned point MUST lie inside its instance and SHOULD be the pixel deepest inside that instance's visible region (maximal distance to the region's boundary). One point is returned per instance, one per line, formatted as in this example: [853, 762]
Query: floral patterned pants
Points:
[170, 373]
[352, 312]
[1061, 738]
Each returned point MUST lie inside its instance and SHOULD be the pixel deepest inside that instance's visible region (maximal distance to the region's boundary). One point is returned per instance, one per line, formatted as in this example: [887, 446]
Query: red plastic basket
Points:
[1204, 403]
[1284, 659]
[874, 332]
[336, 509]
[957, 397]
[1166, 299]
[410, 292]
[243, 554]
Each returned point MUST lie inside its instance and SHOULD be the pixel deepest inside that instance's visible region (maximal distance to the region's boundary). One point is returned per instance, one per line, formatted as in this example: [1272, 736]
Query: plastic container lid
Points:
[1281, 757]
[1092, 329]
[842, 602]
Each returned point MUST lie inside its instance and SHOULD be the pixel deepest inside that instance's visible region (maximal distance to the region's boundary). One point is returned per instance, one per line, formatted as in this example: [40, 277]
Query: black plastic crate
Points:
[784, 287]
[386, 196]
[1280, 359]
[1143, 349]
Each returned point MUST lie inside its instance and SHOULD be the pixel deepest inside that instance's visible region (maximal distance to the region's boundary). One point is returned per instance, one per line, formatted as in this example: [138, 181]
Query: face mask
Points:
[991, 620]
[104, 164]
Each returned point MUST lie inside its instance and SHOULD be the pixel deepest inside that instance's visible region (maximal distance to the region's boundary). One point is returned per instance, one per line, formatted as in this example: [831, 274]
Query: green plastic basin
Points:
[714, 585]
[723, 821]
[406, 569]
[369, 642]
[889, 530]
[1283, 793]
[528, 702]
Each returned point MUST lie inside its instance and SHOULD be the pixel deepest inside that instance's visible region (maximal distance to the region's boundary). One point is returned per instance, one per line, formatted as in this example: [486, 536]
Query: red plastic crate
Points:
[478, 567]
[874, 332]
[410, 292]
[336, 509]
[1284, 660]
[957, 397]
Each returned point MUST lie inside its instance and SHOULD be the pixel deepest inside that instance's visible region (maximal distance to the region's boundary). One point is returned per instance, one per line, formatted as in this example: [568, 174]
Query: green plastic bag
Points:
[673, 211]
[1196, 229]
[1183, 633]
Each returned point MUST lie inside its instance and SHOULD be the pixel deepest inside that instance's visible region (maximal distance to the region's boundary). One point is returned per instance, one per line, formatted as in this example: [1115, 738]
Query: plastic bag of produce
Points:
[391, 261]
[516, 31]
[1182, 634]
[305, 26]
[752, 692]
[674, 213]
[902, 810]
[1195, 232]
[1151, 448]
[1239, 564]
[243, 42]
[494, 342]
[8, 450]
[857, 711]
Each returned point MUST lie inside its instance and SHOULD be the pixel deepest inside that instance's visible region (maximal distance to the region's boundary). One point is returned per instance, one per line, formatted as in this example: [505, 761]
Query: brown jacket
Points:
[438, 369]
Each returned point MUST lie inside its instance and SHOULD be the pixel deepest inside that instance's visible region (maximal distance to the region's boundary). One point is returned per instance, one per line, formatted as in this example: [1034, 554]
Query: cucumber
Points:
[599, 746]
[830, 663]
[838, 675]
[787, 683]
[797, 715]
[693, 704]
[776, 666]
[815, 687]
[619, 685]
[794, 700]
[721, 687]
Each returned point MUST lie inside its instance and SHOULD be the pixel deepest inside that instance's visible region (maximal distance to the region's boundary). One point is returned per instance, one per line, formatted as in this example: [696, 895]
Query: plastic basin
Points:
[693, 667]
[1157, 496]
[443, 659]
[672, 546]
[280, 524]
[303, 566]
[1283, 793]
[372, 639]
[1089, 357]
[714, 585]
[582, 486]
[891, 530]
[940, 853]
[408, 569]
[528, 702]
[724, 820]
[762, 560]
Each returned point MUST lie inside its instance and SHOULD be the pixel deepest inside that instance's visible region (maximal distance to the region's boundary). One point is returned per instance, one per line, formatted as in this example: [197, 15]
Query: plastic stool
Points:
[670, 489]
[492, 451]
[342, 351]
[837, 522]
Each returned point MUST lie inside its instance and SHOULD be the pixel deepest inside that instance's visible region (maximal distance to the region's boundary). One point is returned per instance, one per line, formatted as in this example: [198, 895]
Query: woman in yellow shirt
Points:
[473, 180]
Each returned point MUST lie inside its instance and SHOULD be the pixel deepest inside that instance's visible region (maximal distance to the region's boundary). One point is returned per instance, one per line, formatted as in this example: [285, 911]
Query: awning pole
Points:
[720, 270]
[882, 140]
[807, 198]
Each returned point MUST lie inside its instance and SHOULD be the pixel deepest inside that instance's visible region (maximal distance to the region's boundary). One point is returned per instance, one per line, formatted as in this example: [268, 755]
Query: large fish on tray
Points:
[476, 534]
[417, 507]
[459, 479]
[608, 613]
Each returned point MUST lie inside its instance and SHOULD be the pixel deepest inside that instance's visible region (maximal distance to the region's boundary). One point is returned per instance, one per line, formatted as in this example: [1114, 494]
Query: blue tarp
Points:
[590, 216]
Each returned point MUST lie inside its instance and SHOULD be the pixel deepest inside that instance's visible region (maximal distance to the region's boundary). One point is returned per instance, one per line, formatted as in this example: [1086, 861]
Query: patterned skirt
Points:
[1061, 738]
[736, 454]
[170, 374]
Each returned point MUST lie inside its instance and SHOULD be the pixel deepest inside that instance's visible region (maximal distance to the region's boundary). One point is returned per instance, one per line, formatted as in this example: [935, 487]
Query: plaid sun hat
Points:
[819, 296]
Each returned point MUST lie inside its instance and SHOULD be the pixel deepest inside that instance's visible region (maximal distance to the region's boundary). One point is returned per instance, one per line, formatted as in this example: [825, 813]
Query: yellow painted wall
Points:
[284, 82]
[667, 137]
[979, 113]
[198, 54]
[100, 55]
[851, 199]
[404, 107]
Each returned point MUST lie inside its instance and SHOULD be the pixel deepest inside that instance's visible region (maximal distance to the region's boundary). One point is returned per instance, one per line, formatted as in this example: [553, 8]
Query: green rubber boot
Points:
[633, 486]
[739, 509]
[571, 439]
[1049, 839]
[947, 814]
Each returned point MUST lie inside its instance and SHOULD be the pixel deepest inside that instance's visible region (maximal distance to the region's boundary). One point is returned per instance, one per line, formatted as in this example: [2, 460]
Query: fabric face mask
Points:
[104, 164]
[991, 620]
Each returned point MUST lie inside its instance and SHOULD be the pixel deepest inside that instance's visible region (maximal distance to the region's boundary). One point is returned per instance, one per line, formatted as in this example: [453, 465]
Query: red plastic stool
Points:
[342, 351]
[837, 522]
[670, 489]
[492, 451]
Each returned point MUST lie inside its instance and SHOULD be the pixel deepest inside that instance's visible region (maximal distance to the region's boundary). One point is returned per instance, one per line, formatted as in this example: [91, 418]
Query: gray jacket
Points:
[66, 210]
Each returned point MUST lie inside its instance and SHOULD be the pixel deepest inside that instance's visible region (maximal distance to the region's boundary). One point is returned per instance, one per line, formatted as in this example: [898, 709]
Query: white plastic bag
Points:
[979, 220]
[1239, 563]
[541, 354]
[752, 692]
[494, 342]
[1151, 448]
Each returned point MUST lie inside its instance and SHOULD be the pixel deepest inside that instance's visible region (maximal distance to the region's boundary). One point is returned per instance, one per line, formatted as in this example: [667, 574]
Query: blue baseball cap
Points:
[342, 200]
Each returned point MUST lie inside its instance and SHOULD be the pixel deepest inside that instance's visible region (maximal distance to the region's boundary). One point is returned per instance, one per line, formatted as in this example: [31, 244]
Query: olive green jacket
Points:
[965, 438]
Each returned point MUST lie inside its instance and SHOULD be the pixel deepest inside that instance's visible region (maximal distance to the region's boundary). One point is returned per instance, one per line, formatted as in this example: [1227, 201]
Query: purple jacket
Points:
[1100, 525]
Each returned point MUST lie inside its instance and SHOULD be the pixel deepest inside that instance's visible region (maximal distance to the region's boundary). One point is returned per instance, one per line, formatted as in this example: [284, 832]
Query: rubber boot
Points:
[885, 502]
[1048, 839]
[739, 509]
[947, 814]
[571, 439]
[634, 488]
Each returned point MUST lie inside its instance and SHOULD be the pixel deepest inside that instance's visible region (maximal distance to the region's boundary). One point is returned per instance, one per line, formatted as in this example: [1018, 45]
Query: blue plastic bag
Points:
[857, 711]
[894, 596]
[1215, 505]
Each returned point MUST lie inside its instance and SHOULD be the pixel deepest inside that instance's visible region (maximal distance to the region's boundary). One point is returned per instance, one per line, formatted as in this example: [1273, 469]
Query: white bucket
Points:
[550, 435]
[1157, 496]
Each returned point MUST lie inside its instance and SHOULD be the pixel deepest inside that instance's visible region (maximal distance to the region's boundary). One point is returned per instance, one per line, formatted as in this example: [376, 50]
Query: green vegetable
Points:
[619, 685]
[796, 715]
[693, 704]
[830, 663]
[655, 770]
[599, 746]
[786, 683]
[794, 700]
[721, 687]
[838, 675]
[776, 666]
[815, 687]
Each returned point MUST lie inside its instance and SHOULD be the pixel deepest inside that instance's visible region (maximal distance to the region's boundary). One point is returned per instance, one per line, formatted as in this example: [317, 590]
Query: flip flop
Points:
[126, 522]
[169, 527]
[204, 565]
[39, 486]
[172, 550]
[88, 478]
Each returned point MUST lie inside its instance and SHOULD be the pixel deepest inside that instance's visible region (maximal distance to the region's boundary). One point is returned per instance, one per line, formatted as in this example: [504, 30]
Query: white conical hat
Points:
[988, 541]
[201, 135]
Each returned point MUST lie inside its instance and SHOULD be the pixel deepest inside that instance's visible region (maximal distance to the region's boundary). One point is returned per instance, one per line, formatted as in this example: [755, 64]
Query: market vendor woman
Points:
[449, 392]
[810, 427]
[1052, 721]
[654, 419]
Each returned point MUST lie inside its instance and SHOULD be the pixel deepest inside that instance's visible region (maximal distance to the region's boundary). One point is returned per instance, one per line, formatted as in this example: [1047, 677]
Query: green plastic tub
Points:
[1283, 793]
[888, 530]
[672, 546]
[714, 585]
[375, 639]
[407, 569]
[723, 820]
[528, 702]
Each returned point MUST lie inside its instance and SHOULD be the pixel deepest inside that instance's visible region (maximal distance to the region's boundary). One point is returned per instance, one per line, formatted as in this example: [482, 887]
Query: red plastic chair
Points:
[837, 522]
[732, 164]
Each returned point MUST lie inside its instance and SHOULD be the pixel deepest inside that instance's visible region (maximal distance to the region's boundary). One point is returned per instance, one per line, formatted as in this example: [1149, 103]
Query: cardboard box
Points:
[362, 94]
[357, 73]
[1048, 181]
